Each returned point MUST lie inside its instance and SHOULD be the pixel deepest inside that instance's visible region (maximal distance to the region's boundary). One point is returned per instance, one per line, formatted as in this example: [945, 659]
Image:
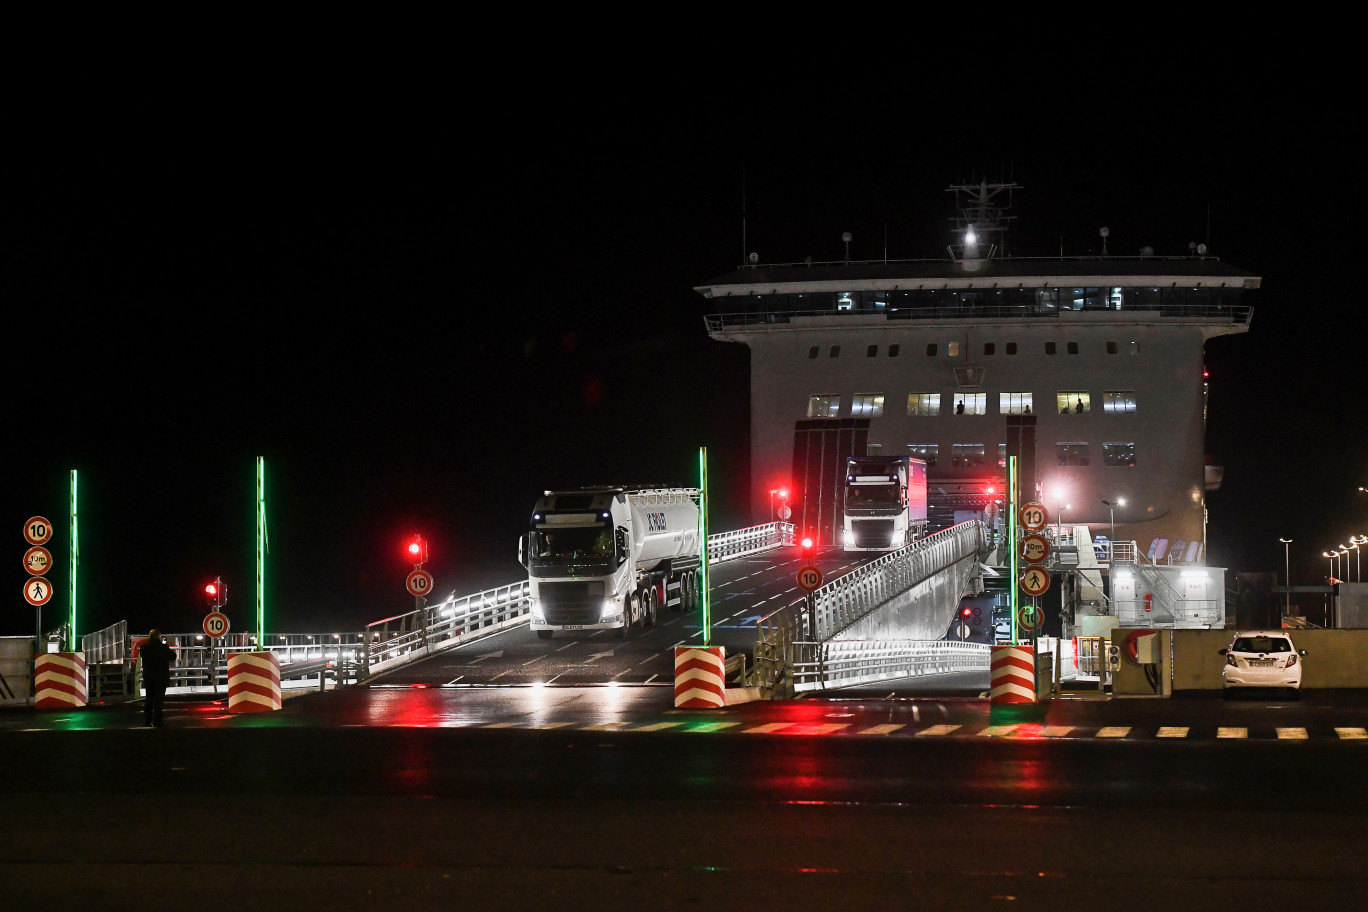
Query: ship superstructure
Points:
[933, 359]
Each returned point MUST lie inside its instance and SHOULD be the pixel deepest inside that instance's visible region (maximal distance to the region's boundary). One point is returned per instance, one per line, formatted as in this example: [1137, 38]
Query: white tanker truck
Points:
[606, 558]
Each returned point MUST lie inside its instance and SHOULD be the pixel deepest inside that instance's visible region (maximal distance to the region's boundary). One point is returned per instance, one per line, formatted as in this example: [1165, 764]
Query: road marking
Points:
[712, 726]
[937, 730]
[766, 728]
[657, 726]
[1224, 732]
[604, 727]
[530, 661]
[652, 678]
[997, 731]
[567, 646]
[824, 728]
[885, 729]
[1292, 734]
[1172, 731]
[546, 726]
[500, 725]
[1351, 734]
[648, 659]
[757, 604]
[1056, 731]
[1113, 731]
[453, 680]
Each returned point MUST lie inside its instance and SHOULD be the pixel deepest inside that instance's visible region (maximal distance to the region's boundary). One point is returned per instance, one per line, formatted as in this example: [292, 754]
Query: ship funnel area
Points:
[981, 224]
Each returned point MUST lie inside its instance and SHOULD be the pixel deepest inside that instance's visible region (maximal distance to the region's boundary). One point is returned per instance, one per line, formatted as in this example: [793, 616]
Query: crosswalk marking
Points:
[658, 726]
[500, 725]
[1292, 734]
[604, 727]
[1225, 732]
[1351, 734]
[998, 731]
[1172, 731]
[1056, 731]
[880, 729]
[824, 728]
[937, 730]
[712, 726]
[766, 728]
[1113, 731]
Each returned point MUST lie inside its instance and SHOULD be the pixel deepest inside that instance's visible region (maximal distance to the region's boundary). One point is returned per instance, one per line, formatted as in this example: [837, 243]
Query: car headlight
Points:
[537, 613]
[612, 608]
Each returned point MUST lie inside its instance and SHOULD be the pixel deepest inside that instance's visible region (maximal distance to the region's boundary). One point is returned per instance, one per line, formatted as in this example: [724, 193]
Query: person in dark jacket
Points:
[157, 659]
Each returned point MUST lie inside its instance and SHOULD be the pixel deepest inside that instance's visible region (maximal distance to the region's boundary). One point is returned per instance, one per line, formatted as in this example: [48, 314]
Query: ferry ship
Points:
[1100, 356]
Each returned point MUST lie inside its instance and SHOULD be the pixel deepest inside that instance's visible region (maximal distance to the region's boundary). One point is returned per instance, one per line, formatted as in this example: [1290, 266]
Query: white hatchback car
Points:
[1262, 658]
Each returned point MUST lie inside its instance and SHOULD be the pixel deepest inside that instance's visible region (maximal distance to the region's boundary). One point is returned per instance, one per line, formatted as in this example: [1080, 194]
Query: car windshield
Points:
[1262, 644]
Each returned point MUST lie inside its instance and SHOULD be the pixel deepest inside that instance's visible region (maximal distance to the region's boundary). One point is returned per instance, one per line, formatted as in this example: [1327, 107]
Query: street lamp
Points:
[1287, 577]
[1112, 505]
[783, 499]
[1332, 555]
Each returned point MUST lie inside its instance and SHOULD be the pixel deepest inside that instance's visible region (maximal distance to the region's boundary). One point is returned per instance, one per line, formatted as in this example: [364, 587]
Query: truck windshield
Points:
[872, 495]
[586, 544]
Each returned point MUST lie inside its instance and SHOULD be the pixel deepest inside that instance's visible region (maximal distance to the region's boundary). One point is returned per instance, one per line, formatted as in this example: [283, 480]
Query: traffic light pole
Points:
[1012, 542]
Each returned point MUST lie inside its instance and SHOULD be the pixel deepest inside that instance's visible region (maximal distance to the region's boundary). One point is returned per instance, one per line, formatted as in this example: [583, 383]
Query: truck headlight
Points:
[850, 538]
[611, 610]
[536, 607]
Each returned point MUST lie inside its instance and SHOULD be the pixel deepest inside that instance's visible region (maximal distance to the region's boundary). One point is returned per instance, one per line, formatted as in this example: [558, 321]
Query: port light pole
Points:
[1112, 505]
[1287, 577]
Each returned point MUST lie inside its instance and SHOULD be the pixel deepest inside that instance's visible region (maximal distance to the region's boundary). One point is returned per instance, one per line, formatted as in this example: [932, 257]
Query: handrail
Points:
[1222, 313]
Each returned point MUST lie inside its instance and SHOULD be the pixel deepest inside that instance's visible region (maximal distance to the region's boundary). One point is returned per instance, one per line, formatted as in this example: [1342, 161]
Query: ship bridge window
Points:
[971, 404]
[1014, 403]
[867, 405]
[824, 406]
[1118, 454]
[925, 405]
[967, 455]
[1073, 402]
[928, 452]
[1071, 453]
[1118, 401]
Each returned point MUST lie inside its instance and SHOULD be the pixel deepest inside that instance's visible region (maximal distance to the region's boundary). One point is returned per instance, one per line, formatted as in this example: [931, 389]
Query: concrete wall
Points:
[16, 669]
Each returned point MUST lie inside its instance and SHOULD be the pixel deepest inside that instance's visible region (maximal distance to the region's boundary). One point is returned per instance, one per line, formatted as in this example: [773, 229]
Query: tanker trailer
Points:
[606, 558]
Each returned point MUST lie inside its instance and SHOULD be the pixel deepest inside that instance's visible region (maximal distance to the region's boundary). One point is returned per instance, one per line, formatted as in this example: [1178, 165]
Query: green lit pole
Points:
[261, 546]
[703, 549]
[1011, 540]
[75, 559]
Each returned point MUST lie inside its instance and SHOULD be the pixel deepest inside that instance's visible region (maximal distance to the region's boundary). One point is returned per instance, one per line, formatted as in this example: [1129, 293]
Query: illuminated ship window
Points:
[1049, 348]
[1117, 401]
[1073, 348]
[812, 351]
[966, 455]
[1014, 403]
[1011, 348]
[867, 405]
[1118, 454]
[1002, 455]
[952, 349]
[931, 349]
[1073, 402]
[928, 452]
[1072, 453]
[845, 301]
[925, 405]
[824, 406]
[971, 404]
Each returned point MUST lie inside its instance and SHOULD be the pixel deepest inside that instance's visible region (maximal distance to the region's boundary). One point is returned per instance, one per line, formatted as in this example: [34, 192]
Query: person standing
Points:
[157, 659]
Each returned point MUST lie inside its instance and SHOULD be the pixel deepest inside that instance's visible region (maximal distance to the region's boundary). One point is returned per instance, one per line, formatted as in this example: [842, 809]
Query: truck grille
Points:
[874, 533]
[572, 603]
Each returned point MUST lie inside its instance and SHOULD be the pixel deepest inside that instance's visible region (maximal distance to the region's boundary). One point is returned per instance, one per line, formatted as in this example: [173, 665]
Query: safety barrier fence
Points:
[846, 599]
[1169, 608]
[846, 663]
[1196, 313]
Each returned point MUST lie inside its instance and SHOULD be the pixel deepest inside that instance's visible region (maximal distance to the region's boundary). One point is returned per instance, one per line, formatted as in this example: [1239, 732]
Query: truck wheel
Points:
[648, 613]
[544, 634]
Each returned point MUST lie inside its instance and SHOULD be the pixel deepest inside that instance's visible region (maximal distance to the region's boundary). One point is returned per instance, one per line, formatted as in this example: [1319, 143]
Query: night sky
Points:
[423, 306]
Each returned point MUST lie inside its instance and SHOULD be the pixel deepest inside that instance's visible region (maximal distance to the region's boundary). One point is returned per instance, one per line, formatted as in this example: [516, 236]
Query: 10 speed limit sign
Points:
[216, 624]
[1033, 517]
[809, 578]
[419, 583]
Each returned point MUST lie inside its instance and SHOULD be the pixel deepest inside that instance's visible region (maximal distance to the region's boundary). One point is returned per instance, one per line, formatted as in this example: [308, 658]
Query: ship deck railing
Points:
[1235, 315]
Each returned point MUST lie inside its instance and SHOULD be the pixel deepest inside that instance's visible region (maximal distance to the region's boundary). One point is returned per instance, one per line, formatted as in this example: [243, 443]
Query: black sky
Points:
[424, 300]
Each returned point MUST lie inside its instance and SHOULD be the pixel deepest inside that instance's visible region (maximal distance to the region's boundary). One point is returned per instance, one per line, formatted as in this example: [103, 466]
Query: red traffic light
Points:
[966, 611]
[210, 589]
[415, 549]
[807, 542]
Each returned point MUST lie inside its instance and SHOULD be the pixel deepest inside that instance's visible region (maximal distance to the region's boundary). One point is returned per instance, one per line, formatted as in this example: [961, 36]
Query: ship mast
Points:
[982, 222]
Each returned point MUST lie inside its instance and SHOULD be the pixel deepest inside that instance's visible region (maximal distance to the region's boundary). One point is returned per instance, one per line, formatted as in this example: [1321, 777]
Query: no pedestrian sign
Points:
[37, 591]
[1035, 581]
[419, 583]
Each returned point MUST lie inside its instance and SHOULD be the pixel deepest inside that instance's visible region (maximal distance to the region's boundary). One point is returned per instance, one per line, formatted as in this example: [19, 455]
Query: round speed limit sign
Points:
[216, 624]
[419, 583]
[809, 578]
[1033, 517]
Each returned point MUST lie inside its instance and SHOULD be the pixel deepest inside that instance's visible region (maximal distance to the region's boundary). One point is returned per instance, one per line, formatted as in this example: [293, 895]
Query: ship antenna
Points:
[743, 207]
